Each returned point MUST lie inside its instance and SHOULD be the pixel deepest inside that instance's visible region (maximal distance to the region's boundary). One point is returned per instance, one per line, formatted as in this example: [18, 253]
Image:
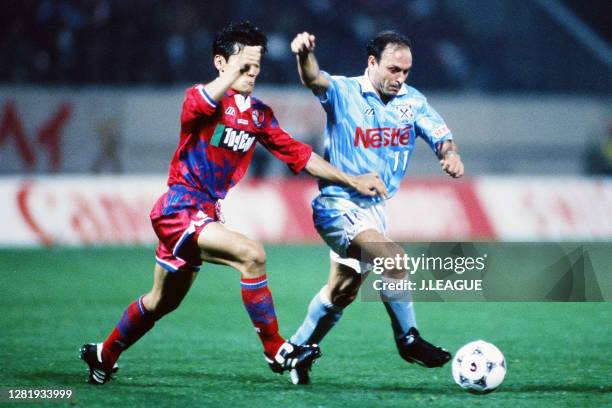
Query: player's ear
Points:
[372, 61]
[219, 61]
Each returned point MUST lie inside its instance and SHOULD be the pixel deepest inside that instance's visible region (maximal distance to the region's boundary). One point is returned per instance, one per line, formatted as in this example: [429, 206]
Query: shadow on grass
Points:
[439, 389]
[178, 379]
[588, 388]
[50, 377]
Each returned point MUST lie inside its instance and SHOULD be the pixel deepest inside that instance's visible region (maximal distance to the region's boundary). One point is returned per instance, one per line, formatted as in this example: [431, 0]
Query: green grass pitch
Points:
[207, 354]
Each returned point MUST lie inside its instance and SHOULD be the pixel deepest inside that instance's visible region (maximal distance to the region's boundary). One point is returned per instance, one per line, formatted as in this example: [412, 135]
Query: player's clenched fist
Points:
[303, 43]
[452, 164]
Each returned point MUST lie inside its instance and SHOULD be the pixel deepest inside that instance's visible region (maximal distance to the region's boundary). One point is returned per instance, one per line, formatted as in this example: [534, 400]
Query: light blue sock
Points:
[400, 309]
[322, 316]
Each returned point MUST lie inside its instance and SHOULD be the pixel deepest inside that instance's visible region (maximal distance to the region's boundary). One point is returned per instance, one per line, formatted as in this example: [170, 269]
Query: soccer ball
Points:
[479, 367]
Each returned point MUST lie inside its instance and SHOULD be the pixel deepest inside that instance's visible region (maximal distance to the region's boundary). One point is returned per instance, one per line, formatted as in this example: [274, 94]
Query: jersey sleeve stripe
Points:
[206, 97]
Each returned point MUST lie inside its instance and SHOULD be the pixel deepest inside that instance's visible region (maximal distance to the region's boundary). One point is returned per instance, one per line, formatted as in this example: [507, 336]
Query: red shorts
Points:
[178, 233]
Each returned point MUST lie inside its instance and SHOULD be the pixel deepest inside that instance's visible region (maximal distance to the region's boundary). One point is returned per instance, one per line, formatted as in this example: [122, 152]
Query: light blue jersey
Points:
[364, 135]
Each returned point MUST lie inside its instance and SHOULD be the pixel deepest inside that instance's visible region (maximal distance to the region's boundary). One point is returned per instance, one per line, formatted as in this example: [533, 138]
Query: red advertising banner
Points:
[109, 210]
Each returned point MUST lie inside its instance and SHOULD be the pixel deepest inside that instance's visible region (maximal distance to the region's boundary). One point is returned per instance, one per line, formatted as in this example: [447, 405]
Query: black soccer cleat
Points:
[414, 349]
[91, 354]
[300, 376]
[294, 357]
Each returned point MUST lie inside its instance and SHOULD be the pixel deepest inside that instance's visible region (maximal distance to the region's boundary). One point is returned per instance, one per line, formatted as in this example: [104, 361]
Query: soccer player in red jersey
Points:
[220, 124]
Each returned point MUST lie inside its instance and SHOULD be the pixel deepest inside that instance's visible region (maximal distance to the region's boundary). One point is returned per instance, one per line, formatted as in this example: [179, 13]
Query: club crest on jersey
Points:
[258, 118]
[232, 139]
[405, 113]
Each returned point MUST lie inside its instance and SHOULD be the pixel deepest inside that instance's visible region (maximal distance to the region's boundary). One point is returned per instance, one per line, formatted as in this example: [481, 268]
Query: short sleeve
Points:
[197, 104]
[280, 143]
[331, 99]
[431, 127]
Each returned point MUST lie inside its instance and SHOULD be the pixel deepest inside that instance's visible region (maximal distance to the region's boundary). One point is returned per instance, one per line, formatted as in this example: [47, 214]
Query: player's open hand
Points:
[303, 43]
[451, 164]
[247, 56]
[370, 184]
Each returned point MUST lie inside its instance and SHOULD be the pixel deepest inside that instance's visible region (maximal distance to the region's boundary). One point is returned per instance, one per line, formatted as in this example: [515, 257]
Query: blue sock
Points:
[322, 316]
[400, 309]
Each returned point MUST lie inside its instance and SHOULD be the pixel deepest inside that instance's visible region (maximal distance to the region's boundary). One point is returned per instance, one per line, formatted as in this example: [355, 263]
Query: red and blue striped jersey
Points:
[217, 142]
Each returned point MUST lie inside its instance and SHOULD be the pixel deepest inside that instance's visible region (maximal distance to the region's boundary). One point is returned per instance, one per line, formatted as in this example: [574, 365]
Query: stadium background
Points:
[90, 97]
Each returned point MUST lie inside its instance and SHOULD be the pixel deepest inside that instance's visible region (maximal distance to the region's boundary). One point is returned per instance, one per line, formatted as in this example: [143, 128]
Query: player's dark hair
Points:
[234, 36]
[377, 45]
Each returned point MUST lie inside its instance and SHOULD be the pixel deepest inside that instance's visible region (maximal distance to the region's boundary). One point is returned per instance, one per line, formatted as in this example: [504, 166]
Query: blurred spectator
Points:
[167, 42]
[145, 42]
[109, 136]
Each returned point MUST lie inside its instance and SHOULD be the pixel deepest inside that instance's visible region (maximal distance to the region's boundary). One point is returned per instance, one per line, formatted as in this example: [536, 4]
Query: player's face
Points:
[246, 82]
[389, 73]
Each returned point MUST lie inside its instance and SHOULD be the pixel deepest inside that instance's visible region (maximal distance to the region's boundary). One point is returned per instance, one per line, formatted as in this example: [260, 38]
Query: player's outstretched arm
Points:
[303, 46]
[230, 71]
[367, 184]
[450, 160]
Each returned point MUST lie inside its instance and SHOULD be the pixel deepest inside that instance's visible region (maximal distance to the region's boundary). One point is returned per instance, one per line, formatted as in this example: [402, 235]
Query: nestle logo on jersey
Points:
[382, 137]
[231, 138]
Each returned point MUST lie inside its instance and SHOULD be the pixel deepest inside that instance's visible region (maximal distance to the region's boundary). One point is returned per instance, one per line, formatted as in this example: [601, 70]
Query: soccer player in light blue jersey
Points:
[372, 123]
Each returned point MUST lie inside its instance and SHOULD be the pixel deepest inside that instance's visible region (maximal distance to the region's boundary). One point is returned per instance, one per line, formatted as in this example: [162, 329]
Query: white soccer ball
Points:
[479, 367]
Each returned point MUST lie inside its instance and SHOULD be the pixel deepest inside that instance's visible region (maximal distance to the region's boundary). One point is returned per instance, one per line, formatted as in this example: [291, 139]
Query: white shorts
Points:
[339, 221]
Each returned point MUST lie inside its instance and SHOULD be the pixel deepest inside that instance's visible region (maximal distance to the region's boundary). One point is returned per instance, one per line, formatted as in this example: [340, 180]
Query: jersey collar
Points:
[367, 87]
[243, 103]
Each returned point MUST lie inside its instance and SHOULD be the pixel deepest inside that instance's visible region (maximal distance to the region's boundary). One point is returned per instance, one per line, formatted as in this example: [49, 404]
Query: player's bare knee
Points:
[253, 259]
[151, 302]
[395, 273]
[393, 251]
[255, 254]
